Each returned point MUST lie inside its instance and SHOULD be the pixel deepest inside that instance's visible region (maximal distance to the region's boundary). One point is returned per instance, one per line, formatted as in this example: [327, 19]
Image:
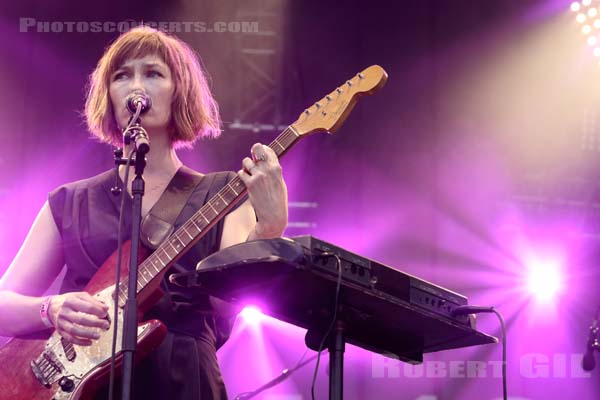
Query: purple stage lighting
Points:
[252, 314]
[544, 281]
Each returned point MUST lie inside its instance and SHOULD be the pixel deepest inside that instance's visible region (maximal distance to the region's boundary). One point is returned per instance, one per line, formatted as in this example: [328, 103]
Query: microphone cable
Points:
[466, 310]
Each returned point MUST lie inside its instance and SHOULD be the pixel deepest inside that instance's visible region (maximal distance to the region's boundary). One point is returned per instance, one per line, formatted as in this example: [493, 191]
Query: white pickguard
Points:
[57, 361]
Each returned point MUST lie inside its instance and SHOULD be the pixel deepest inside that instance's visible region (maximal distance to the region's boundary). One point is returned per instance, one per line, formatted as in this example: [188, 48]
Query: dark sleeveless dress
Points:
[185, 365]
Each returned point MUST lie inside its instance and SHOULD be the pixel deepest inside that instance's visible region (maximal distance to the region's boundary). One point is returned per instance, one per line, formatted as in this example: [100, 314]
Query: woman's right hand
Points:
[78, 317]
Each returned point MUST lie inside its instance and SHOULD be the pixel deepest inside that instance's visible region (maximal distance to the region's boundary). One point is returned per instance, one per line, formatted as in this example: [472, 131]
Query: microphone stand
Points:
[139, 137]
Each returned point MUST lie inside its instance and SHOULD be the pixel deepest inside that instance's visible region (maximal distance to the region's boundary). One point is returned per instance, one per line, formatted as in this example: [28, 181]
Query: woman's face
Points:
[149, 75]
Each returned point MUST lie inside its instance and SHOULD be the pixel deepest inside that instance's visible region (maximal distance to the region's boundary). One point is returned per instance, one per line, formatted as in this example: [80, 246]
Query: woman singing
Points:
[77, 226]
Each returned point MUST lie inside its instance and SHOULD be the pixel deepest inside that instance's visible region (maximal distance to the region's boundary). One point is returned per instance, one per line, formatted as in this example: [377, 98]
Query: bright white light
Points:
[586, 29]
[575, 6]
[597, 23]
[544, 281]
[592, 12]
[597, 51]
[586, 2]
[580, 18]
[252, 314]
[592, 40]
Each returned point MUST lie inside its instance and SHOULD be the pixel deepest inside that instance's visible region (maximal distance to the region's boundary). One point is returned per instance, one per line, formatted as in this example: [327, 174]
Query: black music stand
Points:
[278, 272]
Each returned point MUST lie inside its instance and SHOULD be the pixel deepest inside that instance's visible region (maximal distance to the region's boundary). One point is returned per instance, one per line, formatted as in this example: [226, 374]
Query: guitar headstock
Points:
[329, 113]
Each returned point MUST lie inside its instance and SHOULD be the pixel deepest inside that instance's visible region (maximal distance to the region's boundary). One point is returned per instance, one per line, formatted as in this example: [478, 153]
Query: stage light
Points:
[592, 12]
[586, 3]
[252, 315]
[592, 40]
[575, 6]
[580, 18]
[597, 23]
[586, 29]
[597, 51]
[544, 281]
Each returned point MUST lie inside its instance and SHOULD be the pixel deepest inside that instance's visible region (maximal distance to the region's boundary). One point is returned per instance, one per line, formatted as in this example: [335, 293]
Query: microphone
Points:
[136, 99]
[588, 362]
[134, 131]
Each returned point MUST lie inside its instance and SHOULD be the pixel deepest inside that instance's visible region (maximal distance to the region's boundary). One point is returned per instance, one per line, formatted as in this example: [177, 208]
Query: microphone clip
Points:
[135, 134]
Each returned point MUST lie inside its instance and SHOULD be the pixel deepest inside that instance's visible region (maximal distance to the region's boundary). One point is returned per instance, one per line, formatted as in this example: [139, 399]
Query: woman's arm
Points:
[238, 225]
[33, 269]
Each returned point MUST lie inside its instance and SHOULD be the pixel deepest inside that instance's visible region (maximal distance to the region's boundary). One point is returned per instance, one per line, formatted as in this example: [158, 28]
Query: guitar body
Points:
[82, 370]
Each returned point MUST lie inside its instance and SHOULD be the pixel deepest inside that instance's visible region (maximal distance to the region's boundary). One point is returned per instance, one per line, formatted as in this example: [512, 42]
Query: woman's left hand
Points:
[267, 191]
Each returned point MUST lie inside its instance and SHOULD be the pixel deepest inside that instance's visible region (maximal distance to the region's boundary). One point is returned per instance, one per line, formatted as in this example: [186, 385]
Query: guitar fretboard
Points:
[200, 223]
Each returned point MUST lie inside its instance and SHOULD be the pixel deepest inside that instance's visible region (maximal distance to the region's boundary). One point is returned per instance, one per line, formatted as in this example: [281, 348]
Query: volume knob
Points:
[66, 384]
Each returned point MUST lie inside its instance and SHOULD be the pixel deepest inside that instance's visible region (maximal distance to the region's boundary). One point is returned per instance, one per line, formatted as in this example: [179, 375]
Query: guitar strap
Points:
[159, 223]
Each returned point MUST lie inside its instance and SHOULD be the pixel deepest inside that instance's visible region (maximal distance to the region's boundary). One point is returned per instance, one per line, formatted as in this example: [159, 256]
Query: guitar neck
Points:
[200, 223]
[326, 115]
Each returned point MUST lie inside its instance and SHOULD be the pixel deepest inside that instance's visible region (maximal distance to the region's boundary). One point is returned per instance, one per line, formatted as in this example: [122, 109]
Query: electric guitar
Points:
[50, 367]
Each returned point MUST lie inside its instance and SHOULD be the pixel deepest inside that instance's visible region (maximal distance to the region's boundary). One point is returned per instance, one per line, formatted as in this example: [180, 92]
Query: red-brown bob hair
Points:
[194, 111]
